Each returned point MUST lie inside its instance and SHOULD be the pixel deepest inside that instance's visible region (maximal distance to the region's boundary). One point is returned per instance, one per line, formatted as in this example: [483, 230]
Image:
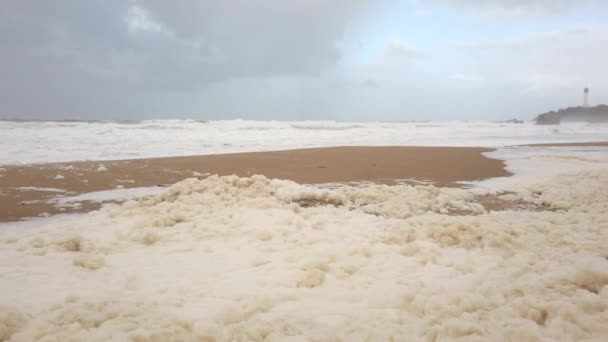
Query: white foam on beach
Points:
[228, 258]
[199, 174]
[41, 142]
[35, 223]
[530, 163]
[101, 168]
[64, 167]
[33, 188]
[118, 195]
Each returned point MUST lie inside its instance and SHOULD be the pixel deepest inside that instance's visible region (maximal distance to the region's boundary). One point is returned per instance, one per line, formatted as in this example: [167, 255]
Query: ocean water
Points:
[39, 142]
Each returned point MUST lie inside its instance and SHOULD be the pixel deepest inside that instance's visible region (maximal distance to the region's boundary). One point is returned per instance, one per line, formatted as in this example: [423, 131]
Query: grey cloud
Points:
[105, 57]
[261, 36]
[275, 59]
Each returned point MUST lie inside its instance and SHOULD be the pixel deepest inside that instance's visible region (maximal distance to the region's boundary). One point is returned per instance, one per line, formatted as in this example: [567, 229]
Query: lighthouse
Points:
[586, 97]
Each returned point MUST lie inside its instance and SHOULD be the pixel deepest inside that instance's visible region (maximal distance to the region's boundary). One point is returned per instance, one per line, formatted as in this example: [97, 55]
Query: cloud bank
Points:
[281, 60]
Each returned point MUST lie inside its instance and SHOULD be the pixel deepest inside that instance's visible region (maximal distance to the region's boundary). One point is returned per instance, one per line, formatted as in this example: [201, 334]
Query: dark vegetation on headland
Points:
[574, 114]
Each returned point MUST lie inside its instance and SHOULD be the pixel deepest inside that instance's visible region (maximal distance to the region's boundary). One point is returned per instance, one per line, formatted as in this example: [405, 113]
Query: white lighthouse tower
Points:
[586, 97]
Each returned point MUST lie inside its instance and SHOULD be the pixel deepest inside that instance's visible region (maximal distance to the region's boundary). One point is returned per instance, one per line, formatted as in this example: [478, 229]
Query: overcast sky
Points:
[300, 59]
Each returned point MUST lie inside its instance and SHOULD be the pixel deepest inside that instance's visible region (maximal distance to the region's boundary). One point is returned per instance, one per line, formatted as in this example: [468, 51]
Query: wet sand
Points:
[442, 166]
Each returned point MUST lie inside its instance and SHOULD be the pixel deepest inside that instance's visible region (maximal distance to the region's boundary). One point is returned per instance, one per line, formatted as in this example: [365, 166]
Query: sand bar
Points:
[25, 190]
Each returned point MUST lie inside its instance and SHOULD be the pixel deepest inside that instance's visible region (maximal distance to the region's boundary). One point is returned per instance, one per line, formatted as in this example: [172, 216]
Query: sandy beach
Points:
[26, 190]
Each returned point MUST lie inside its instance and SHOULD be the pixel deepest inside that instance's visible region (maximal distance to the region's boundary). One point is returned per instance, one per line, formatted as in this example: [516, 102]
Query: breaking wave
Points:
[40, 142]
[325, 127]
